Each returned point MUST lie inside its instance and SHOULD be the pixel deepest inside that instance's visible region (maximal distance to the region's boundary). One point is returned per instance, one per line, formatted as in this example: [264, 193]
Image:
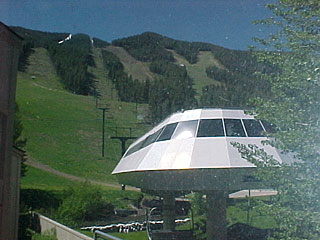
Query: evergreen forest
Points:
[171, 88]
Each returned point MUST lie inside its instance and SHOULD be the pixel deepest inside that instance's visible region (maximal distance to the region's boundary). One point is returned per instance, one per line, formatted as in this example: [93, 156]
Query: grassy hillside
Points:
[64, 129]
[137, 69]
[105, 88]
[197, 71]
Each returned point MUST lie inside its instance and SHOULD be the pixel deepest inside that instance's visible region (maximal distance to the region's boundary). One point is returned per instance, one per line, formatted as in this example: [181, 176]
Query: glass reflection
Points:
[185, 129]
[253, 127]
[234, 128]
[210, 128]
[167, 132]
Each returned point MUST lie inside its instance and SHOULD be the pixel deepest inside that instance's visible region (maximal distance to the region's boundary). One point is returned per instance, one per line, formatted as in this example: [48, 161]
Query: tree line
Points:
[128, 89]
[172, 89]
[71, 58]
[235, 89]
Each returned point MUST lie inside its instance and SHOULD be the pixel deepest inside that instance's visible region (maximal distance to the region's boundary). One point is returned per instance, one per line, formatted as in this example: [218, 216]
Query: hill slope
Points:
[135, 68]
[64, 129]
[197, 71]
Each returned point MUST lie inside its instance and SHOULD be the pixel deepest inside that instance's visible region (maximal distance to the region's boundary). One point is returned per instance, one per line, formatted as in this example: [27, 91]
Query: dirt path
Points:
[36, 164]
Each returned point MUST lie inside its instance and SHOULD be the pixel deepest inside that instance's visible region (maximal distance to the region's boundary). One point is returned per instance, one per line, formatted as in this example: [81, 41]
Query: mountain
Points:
[142, 78]
[210, 75]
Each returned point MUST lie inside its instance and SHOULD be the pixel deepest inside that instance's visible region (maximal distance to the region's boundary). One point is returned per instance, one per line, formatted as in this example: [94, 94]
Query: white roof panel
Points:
[211, 113]
[192, 152]
[210, 152]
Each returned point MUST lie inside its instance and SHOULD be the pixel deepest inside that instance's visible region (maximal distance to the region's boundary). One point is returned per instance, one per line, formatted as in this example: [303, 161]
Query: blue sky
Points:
[225, 23]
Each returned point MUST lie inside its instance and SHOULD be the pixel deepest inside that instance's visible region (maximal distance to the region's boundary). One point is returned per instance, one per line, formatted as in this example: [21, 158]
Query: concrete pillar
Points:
[168, 212]
[216, 215]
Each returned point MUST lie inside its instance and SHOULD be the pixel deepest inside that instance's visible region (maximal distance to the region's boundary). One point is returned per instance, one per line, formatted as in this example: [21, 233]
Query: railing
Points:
[102, 235]
[62, 232]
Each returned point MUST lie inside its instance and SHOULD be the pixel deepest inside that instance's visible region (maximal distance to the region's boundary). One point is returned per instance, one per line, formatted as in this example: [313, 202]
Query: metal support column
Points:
[168, 212]
[103, 123]
[216, 215]
[123, 143]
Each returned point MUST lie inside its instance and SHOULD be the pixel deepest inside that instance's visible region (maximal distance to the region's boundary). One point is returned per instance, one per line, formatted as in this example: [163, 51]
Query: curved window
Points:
[234, 128]
[152, 138]
[167, 132]
[135, 148]
[253, 128]
[210, 128]
[185, 129]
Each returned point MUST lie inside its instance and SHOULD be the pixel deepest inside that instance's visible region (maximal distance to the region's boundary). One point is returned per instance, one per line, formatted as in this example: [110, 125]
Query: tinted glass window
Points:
[152, 138]
[234, 128]
[135, 148]
[210, 128]
[186, 129]
[167, 132]
[253, 128]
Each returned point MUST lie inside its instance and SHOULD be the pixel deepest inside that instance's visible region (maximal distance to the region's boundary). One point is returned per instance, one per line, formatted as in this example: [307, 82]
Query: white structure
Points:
[192, 151]
[198, 140]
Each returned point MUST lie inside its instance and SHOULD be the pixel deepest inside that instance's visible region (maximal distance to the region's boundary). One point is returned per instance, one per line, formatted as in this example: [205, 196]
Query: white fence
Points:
[62, 232]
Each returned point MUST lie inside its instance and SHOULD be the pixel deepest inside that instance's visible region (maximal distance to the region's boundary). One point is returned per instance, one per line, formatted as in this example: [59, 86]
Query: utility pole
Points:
[123, 140]
[103, 123]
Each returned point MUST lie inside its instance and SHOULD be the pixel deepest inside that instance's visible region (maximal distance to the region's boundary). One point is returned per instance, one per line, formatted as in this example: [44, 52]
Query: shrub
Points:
[82, 202]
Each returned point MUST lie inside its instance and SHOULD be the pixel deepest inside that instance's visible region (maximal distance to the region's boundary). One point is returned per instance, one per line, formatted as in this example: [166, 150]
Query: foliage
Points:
[129, 90]
[26, 50]
[172, 91]
[18, 140]
[98, 43]
[82, 202]
[294, 109]
[71, 58]
[235, 88]
[198, 205]
[39, 38]
[142, 235]
[43, 201]
[146, 47]
[64, 130]
[151, 47]
[243, 62]
[50, 235]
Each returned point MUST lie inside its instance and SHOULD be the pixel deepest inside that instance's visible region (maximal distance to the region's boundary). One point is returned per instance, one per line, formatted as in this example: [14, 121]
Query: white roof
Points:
[187, 149]
[253, 193]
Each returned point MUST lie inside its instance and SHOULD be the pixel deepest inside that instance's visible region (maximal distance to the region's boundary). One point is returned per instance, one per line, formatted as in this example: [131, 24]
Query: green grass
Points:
[137, 69]
[38, 236]
[132, 235]
[198, 71]
[141, 235]
[63, 129]
[36, 178]
[104, 85]
[42, 71]
[236, 214]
